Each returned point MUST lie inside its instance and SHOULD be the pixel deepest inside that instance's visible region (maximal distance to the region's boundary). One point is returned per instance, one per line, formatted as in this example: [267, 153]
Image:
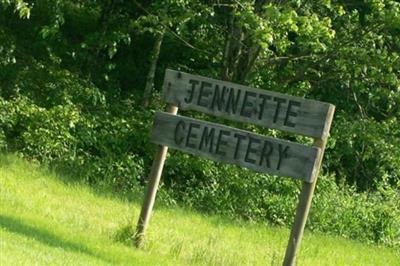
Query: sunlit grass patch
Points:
[46, 220]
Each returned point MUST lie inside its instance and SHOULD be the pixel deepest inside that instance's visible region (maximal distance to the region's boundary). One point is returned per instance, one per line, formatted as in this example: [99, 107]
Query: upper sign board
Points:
[230, 145]
[244, 104]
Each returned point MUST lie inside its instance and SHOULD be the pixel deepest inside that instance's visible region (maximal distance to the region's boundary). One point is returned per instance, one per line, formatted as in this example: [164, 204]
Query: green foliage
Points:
[366, 147]
[72, 73]
[59, 119]
[370, 216]
[41, 133]
[352, 61]
[99, 148]
[21, 7]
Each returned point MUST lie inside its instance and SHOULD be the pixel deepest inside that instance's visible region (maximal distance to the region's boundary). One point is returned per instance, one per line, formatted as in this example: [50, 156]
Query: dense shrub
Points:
[365, 147]
[372, 216]
[75, 129]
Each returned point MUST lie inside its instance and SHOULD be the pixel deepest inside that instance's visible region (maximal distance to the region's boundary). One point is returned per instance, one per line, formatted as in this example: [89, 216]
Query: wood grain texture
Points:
[229, 145]
[244, 104]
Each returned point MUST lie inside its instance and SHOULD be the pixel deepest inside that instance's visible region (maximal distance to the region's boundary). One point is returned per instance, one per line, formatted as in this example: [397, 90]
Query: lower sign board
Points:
[229, 145]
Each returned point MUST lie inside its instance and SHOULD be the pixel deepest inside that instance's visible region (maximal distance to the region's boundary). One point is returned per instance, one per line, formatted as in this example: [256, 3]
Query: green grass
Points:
[47, 221]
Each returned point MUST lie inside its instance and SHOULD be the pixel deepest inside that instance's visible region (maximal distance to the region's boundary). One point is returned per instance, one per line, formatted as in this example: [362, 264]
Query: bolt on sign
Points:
[226, 144]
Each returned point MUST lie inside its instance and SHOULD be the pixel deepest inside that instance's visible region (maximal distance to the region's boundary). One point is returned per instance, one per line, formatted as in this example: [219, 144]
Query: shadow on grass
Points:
[71, 175]
[6, 161]
[75, 175]
[17, 226]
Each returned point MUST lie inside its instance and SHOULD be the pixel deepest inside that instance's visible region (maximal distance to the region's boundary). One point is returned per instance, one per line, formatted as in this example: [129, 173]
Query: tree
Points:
[171, 17]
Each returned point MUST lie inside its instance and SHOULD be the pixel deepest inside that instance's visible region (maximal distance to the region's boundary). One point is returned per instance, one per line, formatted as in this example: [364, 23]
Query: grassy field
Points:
[45, 220]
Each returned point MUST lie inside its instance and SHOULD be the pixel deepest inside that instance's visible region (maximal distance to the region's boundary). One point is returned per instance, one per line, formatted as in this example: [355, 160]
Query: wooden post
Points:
[154, 180]
[305, 197]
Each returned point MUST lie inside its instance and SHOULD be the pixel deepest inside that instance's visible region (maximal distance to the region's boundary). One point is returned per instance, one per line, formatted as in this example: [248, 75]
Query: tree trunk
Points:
[240, 51]
[152, 70]
[246, 61]
[227, 49]
[233, 47]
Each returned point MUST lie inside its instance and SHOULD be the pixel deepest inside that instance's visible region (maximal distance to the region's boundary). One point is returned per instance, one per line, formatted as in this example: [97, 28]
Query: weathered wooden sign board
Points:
[245, 104]
[230, 145]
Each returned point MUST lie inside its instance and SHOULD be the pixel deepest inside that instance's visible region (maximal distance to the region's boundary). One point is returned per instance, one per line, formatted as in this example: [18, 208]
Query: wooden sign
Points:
[244, 104]
[229, 145]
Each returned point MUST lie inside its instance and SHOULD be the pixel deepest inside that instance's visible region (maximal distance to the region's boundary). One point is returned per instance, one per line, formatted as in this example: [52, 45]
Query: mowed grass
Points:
[47, 221]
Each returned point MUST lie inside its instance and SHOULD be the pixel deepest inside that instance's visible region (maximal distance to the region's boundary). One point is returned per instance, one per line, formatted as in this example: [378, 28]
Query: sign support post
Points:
[305, 197]
[152, 187]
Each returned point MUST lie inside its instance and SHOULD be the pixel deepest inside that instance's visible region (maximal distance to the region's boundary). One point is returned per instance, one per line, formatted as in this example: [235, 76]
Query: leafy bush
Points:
[64, 121]
[372, 216]
[366, 148]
